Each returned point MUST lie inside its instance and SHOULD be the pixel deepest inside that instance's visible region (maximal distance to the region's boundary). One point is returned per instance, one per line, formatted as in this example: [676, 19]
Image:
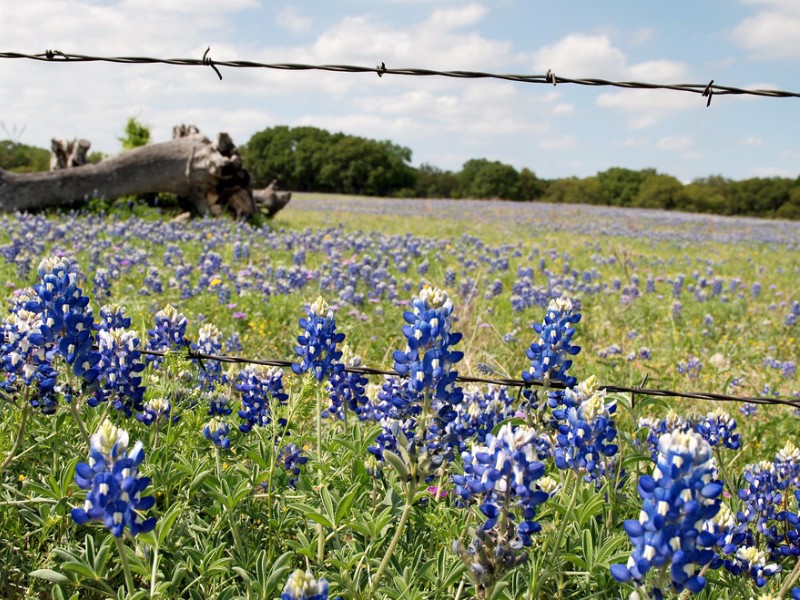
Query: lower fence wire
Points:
[507, 382]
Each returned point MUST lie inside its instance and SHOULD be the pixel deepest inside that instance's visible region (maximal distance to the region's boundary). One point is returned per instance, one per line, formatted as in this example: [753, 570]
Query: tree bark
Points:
[209, 176]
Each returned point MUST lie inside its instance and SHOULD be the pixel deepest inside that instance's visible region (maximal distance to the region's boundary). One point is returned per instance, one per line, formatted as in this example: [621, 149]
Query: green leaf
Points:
[319, 518]
[397, 463]
[50, 575]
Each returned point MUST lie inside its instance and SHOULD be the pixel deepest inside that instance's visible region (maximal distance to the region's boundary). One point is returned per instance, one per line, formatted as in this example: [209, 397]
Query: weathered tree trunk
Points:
[269, 201]
[208, 176]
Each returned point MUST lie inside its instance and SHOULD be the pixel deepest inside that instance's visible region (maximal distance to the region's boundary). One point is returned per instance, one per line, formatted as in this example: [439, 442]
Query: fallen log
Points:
[207, 176]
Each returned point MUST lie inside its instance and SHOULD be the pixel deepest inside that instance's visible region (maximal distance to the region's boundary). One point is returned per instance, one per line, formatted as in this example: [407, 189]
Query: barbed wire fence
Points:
[705, 90]
[502, 381]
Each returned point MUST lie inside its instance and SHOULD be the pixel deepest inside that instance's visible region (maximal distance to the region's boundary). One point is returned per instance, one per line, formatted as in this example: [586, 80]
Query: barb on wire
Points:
[505, 381]
[702, 89]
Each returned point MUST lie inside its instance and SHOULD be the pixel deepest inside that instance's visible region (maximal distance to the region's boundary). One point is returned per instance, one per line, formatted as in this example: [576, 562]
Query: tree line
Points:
[309, 159]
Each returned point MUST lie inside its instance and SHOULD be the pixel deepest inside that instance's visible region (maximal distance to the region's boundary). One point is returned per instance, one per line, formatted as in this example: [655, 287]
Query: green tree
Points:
[660, 191]
[484, 179]
[572, 190]
[22, 158]
[136, 134]
[620, 186]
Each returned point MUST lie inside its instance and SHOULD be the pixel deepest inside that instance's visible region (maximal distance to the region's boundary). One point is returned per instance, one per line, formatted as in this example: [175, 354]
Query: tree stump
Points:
[207, 176]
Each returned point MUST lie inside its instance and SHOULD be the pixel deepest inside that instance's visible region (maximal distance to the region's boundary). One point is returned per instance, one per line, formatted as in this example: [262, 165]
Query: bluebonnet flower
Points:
[216, 431]
[718, 428]
[209, 341]
[317, 346]
[729, 535]
[112, 316]
[121, 367]
[111, 475]
[291, 458]
[25, 358]
[260, 388]
[691, 368]
[503, 476]
[749, 409]
[169, 332]
[479, 413]
[752, 562]
[66, 313]
[53, 318]
[219, 403]
[549, 355]
[347, 389]
[587, 431]
[156, 411]
[428, 358]
[303, 586]
[681, 495]
[102, 283]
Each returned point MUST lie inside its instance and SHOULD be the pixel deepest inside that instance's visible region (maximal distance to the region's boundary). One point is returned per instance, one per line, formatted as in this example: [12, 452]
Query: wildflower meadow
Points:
[132, 465]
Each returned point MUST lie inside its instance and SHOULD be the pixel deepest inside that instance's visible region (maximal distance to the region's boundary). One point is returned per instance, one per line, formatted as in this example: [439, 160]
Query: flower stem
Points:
[411, 491]
[562, 527]
[789, 580]
[320, 529]
[126, 567]
[18, 439]
[74, 410]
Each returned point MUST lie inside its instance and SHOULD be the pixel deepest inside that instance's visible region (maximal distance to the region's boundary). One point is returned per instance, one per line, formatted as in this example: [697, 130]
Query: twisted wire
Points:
[504, 381]
[706, 90]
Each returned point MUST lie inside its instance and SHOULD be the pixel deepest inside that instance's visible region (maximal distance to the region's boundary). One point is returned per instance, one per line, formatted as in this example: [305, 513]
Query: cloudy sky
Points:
[555, 131]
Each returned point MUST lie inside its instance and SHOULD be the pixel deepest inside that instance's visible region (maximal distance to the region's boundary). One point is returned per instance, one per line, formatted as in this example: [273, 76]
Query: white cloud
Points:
[292, 21]
[771, 172]
[581, 55]
[751, 140]
[557, 142]
[645, 108]
[454, 18]
[773, 31]
[682, 145]
[594, 55]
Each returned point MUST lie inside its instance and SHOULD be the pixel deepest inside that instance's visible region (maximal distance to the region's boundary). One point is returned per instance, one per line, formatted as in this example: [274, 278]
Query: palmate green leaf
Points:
[50, 575]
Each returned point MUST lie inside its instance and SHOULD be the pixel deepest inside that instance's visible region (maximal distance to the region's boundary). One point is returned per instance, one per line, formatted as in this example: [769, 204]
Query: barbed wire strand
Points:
[502, 381]
[705, 90]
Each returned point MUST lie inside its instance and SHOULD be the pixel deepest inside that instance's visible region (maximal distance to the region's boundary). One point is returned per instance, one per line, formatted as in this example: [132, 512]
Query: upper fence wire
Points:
[706, 90]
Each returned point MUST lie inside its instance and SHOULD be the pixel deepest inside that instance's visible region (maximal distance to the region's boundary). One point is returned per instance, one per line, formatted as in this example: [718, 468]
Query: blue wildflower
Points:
[317, 346]
[121, 367]
[506, 478]
[549, 355]
[347, 389]
[169, 332]
[303, 586]
[261, 388]
[209, 342]
[585, 436]
[291, 458]
[111, 475]
[156, 411]
[216, 431]
[681, 495]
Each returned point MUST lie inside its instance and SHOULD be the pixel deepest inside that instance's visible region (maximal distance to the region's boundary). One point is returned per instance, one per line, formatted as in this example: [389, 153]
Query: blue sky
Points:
[555, 131]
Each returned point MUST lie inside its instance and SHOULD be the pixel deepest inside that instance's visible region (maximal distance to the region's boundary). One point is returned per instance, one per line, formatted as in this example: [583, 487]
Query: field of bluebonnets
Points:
[137, 475]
